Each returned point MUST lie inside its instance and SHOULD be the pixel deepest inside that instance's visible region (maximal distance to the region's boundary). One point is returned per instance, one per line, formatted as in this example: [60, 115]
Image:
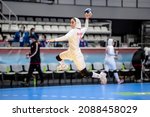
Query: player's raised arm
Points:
[87, 14]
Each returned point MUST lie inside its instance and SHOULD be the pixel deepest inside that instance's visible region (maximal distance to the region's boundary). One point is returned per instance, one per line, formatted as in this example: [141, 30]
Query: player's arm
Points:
[63, 38]
[83, 30]
[110, 53]
[87, 17]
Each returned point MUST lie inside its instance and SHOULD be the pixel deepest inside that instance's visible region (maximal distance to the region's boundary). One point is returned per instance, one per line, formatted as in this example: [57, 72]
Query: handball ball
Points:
[88, 10]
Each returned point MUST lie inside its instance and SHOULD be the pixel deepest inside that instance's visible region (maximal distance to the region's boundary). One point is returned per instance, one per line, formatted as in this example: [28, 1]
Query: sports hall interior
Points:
[126, 21]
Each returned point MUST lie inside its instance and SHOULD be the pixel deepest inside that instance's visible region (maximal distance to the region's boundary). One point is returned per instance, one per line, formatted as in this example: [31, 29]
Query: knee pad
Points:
[84, 72]
[58, 58]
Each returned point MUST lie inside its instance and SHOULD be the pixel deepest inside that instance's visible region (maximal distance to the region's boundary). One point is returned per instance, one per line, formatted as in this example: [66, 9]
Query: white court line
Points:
[73, 96]
[15, 95]
[102, 98]
[64, 96]
[92, 97]
[4, 95]
[44, 95]
[82, 97]
[35, 95]
[53, 96]
[25, 95]
[111, 98]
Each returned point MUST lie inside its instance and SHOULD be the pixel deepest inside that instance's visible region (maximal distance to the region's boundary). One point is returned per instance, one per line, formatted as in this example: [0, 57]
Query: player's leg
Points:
[60, 58]
[117, 77]
[30, 71]
[137, 66]
[115, 72]
[38, 68]
[80, 64]
[101, 76]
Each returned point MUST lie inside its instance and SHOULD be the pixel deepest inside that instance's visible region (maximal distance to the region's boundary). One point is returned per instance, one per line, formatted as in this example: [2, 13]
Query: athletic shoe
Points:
[62, 67]
[103, 78]
[120, 81]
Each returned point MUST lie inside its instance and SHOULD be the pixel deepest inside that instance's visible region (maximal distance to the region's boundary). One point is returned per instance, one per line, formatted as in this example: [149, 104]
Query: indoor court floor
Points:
[127, 91]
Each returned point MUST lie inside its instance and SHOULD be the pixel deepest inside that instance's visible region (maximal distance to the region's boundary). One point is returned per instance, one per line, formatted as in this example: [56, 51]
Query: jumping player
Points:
[74, 53]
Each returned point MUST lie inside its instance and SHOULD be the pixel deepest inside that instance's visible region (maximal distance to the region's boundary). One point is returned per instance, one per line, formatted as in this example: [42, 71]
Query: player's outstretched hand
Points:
[88, 13]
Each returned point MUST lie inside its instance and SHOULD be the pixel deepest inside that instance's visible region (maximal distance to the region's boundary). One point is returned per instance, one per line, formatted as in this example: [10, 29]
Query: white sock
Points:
[95, 75]
[116, 77]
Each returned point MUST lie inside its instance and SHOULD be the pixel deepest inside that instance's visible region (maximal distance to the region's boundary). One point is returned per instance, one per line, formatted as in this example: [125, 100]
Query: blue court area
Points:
[128, 91]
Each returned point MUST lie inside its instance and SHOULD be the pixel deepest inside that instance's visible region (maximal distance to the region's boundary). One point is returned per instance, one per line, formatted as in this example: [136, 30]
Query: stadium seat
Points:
[14, 27]
[7, 73]
[45, 19]
[97, 37]
[62, 29]
[91, 37]
[39, 28]
[54, 28]
[71, 73]
[5, 27]
[47, 28]
[97, 29]
[18, 72]
[97, 66]
[129, 71]
[90, 29]
[47, 74]
[104, 37]
[104, 29]
[57, 74]
[29, 27]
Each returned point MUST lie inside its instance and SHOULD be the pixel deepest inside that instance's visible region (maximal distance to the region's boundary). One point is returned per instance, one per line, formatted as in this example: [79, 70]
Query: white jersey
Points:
[110, 63]
[73, 37]
[147, 54]
[74, 52]
[110, 53]
[109, 57]
[147, 51]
